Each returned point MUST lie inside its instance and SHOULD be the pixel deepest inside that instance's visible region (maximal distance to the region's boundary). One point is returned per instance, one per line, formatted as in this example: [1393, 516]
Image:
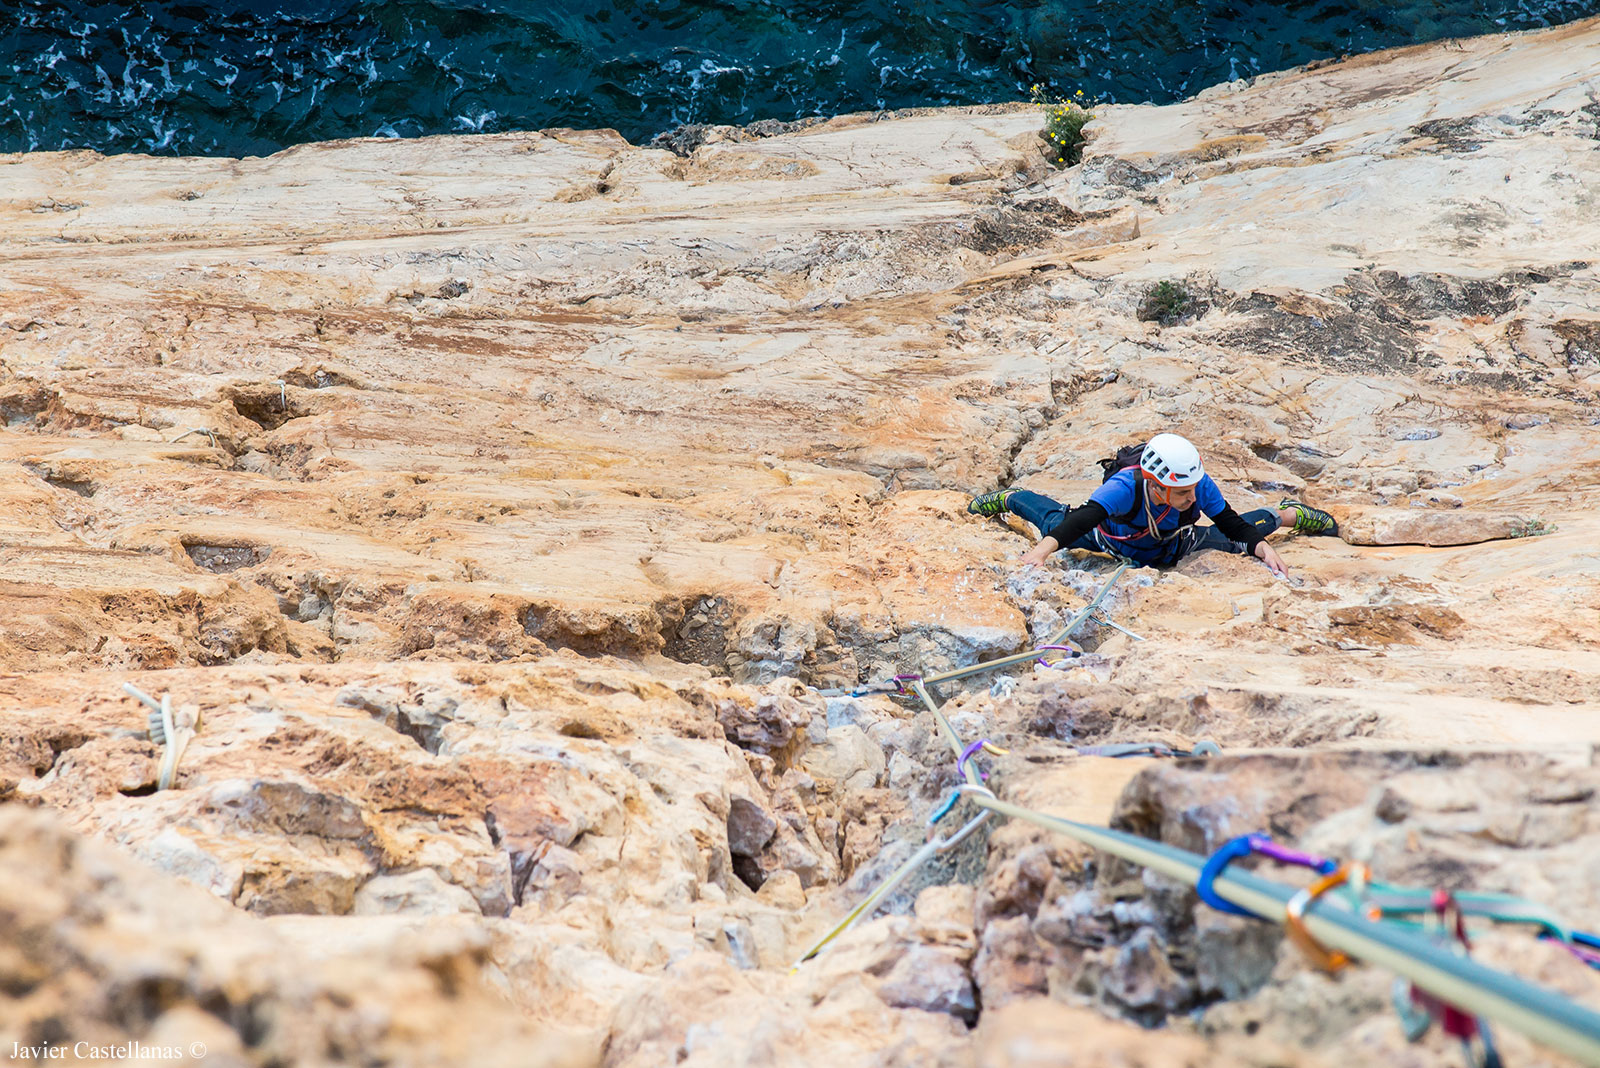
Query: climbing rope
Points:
[1326, 927]
[898, 684]
[930, 848]
[972, 776]
[1456, 980]
[1055, 642]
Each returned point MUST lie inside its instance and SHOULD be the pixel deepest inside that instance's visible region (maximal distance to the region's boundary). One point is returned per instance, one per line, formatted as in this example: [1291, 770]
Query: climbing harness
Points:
[1169, 542]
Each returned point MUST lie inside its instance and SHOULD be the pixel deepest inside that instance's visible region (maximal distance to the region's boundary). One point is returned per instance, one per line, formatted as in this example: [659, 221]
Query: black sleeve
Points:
[1234, 527]
[1078, 522]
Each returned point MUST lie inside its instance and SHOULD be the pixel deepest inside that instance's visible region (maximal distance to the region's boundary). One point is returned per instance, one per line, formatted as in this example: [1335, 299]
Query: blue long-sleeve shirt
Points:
[1117, 508]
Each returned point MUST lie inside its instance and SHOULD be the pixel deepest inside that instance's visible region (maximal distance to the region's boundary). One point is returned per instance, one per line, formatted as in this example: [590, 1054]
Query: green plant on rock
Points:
[1165, 303]
[1532, 528]
[1064, 120]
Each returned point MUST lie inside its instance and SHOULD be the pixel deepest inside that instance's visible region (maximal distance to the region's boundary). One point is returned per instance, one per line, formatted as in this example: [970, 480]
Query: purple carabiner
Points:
[1264, 845]
[966, 755]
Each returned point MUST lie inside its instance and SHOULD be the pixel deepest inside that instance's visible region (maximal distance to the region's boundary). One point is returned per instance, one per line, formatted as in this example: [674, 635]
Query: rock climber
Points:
[1146, 511]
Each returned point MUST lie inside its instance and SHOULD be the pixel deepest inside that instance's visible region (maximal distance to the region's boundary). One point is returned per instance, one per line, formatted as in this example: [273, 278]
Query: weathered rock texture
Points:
[503, 502]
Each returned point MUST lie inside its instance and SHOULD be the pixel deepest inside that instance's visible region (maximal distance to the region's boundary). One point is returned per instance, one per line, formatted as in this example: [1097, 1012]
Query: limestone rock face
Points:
[1040, 1032]
[1432, 528]
[105, 952]
[849, 756]
[932, 981]
[519, 516]
[418, 893]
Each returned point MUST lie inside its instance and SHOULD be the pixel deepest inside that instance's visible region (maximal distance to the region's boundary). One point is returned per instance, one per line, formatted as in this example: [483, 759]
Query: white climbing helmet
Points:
[1172, 461]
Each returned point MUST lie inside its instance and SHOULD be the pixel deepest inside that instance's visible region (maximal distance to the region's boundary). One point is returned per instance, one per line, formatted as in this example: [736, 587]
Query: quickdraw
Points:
[1418, 1009]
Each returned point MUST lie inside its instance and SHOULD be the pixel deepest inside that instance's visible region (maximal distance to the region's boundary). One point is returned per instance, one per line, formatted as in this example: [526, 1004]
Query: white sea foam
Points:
[477, 122]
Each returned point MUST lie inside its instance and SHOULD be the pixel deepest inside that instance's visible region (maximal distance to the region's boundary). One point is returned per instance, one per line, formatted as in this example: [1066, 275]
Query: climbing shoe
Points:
[990, 504]
[1309, 520]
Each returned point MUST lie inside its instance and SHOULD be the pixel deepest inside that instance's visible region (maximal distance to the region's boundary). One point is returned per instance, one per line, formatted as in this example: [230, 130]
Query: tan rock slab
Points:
[497, 499]
[1429, 526]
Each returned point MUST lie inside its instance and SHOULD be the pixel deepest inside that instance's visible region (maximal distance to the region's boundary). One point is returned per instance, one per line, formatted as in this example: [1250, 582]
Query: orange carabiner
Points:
[1329, 960]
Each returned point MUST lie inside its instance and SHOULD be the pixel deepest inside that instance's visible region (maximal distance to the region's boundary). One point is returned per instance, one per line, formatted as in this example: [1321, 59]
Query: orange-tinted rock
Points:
[1427, 526]
[500, 532]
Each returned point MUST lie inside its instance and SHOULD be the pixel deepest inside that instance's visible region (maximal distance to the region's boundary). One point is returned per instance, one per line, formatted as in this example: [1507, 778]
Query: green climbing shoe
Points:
[1309, 520]
[990, 504]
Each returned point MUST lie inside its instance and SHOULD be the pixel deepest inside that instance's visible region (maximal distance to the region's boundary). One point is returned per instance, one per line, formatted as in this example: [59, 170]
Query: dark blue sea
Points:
[253, 76]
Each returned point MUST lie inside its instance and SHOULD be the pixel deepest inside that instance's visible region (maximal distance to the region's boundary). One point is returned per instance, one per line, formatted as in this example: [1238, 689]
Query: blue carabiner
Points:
[944, 809]
[1226, 854]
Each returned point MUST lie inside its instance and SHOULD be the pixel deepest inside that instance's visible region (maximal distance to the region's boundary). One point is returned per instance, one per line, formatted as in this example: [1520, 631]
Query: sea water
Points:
[249, 77]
